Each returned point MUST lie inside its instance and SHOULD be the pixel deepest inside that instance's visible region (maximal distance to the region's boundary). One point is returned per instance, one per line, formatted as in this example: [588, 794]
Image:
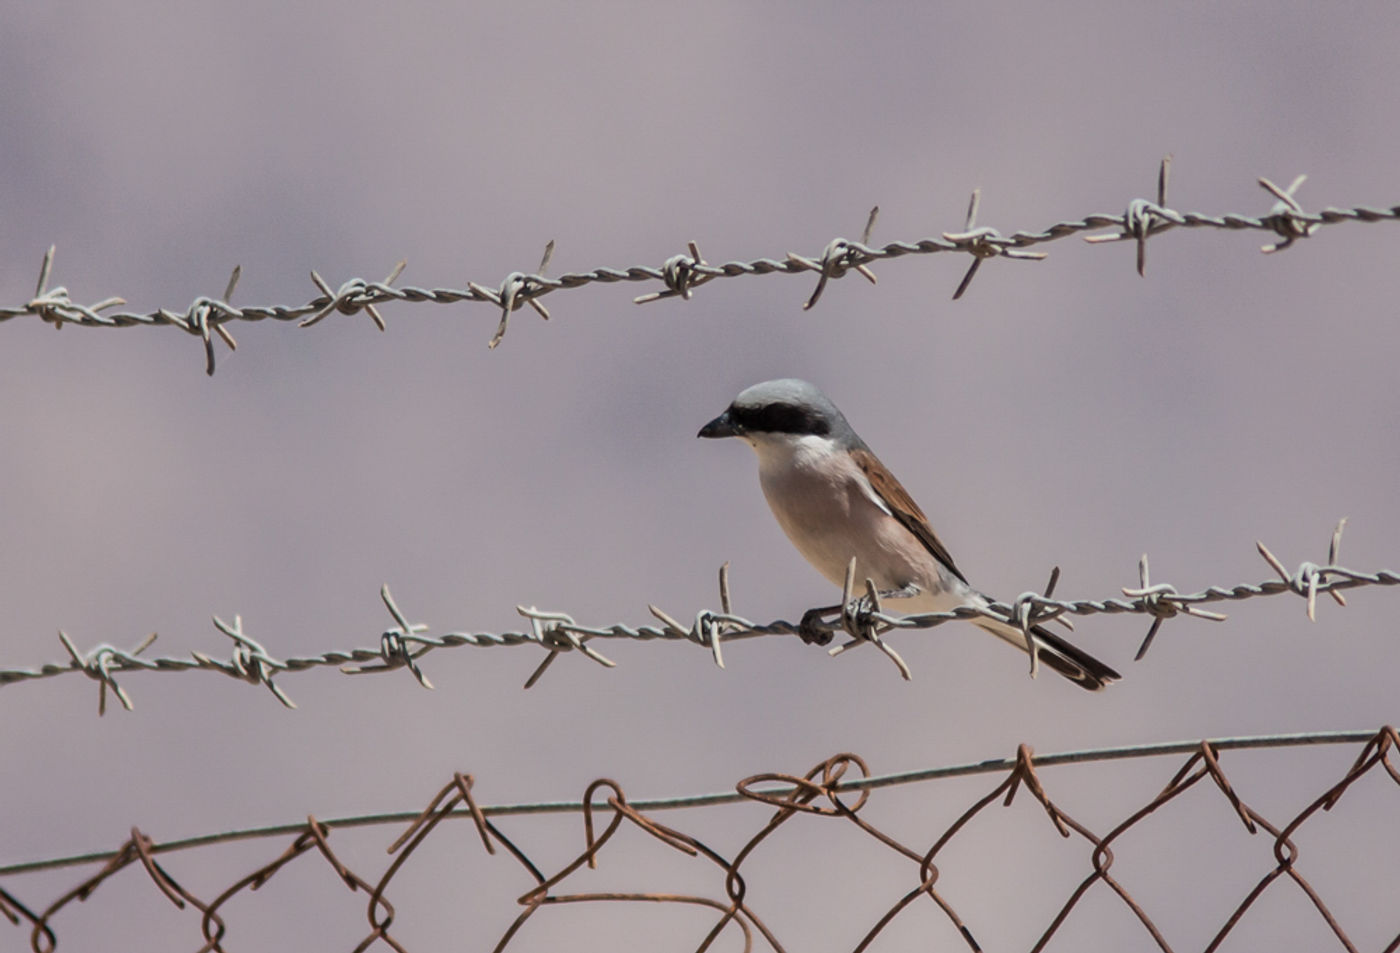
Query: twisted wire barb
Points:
[681, 274]
[863, 619]
[836, 790]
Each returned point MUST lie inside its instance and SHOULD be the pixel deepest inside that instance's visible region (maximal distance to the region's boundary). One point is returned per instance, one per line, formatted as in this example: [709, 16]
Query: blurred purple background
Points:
[1065, 412]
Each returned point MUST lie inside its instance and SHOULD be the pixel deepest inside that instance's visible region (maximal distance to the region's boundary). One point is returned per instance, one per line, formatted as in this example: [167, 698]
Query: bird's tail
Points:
[1069, 660]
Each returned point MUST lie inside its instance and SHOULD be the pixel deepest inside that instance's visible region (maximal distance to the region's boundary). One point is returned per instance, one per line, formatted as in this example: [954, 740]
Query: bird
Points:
[835, 500]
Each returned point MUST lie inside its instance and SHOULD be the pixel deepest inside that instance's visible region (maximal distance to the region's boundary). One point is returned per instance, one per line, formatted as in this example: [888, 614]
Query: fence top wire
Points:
[209, 317]
[557, 633]
[818, 794]
[718, 798]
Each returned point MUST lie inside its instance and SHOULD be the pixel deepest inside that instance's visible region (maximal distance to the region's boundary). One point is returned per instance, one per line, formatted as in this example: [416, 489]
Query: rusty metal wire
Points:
[557, 633]
[836, 791]
[207, 317]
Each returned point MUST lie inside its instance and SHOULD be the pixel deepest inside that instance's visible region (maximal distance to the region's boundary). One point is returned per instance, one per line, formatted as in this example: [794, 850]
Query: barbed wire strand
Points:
[207, 317]
[817, 794]
[557, 633]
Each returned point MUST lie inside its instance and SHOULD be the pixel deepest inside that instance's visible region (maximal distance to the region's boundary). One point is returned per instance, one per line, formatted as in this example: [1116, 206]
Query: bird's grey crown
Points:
[790, 406]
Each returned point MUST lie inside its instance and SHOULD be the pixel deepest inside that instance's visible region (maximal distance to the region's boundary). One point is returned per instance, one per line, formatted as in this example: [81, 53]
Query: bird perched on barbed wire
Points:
[837, 501]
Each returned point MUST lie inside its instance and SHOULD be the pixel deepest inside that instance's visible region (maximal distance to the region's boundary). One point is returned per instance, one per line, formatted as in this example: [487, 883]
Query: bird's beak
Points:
[721, 426]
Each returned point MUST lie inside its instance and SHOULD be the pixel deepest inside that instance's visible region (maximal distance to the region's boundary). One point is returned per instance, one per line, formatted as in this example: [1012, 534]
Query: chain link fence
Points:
[840, 792]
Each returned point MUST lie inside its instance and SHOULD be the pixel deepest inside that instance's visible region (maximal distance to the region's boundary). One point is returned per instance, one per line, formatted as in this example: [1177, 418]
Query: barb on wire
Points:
[558, 632]
[1027, 617]
[1309, 576]
[249, 661]
[394, 645]
[1287, 216]
[863, 617]
[838, 790]
[99, 664]
[710, 628]
[838, 257]
[200, 317]
[983, 243]
[1162, 602]
[1143, 219]
[53, 305]
[351, 297]
[680, 275]
[517, 289]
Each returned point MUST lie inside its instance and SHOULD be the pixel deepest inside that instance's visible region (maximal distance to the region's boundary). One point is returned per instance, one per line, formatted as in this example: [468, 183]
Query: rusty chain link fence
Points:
[950, 859]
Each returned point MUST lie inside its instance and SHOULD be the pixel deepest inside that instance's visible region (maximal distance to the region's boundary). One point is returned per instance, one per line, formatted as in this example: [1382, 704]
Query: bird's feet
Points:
[814, 629]
[854, 617]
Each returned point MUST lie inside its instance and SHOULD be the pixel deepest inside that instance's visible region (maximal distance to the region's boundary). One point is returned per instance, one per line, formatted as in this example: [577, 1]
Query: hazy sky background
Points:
[1065, 412]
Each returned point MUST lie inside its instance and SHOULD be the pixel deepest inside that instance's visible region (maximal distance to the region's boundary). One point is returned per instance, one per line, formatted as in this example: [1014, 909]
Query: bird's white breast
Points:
[829, 510]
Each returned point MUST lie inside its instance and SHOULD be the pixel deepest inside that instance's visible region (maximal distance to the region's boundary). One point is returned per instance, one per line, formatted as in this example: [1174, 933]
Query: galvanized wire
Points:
[208, 317]
[823, 794]
[556, 633]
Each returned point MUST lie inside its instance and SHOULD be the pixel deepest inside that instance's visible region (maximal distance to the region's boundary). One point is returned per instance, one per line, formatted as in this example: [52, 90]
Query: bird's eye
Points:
[783, 418]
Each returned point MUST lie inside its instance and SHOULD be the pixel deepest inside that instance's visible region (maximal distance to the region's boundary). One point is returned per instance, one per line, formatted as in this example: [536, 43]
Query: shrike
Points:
[835, 500]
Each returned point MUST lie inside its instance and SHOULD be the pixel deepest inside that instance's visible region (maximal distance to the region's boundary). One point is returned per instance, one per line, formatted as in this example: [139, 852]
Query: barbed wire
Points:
[557, 633]
[818, 796]
[208, 317]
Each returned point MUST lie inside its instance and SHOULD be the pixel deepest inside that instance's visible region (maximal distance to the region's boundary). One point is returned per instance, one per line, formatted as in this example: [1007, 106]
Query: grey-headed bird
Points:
[836, 500]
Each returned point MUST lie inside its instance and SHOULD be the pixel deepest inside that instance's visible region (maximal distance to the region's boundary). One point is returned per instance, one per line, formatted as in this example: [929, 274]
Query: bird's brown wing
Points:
[903, 507]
